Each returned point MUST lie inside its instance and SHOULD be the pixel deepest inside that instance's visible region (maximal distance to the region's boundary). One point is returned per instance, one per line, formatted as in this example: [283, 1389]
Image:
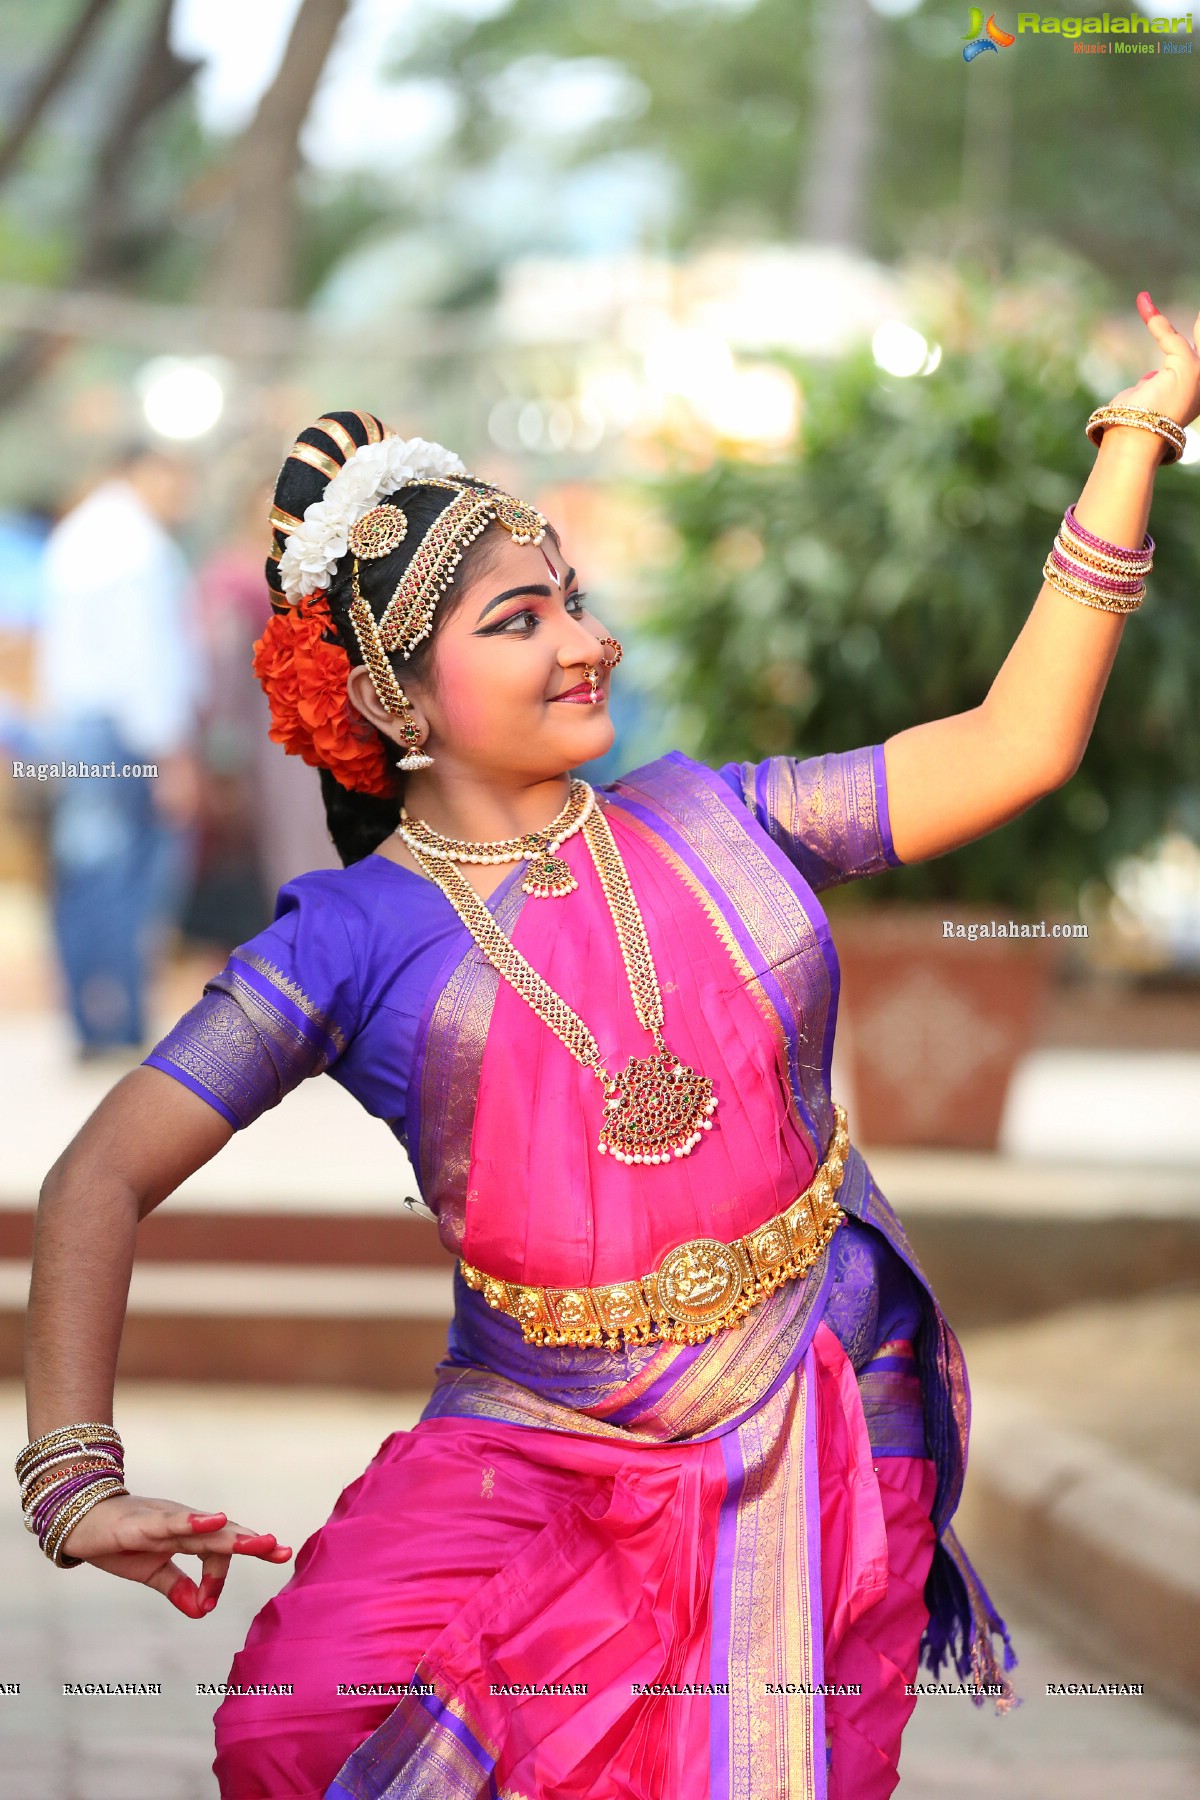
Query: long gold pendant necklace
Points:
[655, 1107]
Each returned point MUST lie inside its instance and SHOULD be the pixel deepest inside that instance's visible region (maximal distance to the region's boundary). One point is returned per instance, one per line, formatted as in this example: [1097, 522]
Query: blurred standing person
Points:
[119, 680]
[273, 813]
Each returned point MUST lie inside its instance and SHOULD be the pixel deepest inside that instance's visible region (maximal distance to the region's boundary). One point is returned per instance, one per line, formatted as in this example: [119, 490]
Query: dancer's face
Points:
[509, 691]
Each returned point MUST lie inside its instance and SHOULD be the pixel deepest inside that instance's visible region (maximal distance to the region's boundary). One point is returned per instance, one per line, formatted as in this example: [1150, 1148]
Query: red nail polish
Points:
[185, 1597]
[210, 1591]
[1145, 305]
[254, 1540]
[213, 1521]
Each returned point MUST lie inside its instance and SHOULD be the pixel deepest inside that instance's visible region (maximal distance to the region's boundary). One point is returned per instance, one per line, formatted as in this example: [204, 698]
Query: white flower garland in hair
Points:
[315, 546]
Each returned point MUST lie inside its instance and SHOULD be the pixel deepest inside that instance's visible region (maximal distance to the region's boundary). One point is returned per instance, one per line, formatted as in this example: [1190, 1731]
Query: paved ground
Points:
[1050, 1747]
[1124, 1373]
[277, 1461]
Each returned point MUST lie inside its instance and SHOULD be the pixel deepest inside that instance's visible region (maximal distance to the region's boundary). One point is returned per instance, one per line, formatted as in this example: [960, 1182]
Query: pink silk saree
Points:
[606, 1615]
[586, 1574]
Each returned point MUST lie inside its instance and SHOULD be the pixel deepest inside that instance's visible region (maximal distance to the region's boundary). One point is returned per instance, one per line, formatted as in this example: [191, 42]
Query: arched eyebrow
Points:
[539, 588]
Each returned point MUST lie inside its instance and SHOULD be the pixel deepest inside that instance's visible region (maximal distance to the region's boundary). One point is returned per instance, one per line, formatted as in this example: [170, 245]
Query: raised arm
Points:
[145, 1138]
[954, 779]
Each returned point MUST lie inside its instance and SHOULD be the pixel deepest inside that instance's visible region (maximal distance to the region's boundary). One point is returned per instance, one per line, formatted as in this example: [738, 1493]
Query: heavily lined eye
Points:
[575, 603]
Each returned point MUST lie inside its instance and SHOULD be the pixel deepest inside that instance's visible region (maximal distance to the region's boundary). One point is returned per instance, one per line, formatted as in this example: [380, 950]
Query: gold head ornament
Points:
[408, 616]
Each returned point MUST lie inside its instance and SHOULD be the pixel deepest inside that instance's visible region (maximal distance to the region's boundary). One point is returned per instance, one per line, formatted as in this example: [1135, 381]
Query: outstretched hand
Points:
[137, 1538]
[1174, 388]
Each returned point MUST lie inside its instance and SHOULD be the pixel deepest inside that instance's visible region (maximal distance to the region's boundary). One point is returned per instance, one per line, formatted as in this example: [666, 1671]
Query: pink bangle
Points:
[1109, 584]
[47, 1509]
[1122, 552]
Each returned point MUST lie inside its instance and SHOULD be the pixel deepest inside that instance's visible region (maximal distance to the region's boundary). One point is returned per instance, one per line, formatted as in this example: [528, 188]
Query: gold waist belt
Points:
[698, 1288]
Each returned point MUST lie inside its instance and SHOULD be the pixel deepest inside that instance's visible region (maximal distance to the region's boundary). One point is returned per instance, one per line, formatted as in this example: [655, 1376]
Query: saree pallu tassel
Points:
[963, 1625]
[963, 1622]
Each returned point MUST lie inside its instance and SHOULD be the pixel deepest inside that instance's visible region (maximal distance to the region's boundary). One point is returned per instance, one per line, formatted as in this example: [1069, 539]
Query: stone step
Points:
[226, 1292]
[249, 1235]
[351, 1299]
[1110, 1552]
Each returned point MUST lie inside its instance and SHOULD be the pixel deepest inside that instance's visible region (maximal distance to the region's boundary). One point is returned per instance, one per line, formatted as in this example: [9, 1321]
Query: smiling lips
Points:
[580, 693]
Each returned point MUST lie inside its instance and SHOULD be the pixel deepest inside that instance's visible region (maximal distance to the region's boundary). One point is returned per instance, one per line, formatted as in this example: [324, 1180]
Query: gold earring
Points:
[414, 757]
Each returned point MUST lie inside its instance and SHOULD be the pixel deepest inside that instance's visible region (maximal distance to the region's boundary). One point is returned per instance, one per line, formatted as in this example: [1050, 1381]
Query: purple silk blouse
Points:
[342, 980]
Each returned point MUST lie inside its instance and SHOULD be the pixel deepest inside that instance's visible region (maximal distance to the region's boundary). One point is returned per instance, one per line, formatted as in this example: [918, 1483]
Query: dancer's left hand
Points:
[1173, 389]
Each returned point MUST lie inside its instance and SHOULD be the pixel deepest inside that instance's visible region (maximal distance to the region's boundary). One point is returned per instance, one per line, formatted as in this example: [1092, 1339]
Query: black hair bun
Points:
[319, 453]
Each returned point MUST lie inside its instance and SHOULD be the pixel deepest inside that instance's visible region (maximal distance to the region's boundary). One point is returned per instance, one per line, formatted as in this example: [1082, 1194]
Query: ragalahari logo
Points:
[984, 37]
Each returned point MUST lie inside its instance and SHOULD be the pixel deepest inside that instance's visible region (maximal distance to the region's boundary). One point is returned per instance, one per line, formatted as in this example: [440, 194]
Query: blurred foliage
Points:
[1098, 153]
[27, 254]
[339, 216]
[735, 155]
[878, 576]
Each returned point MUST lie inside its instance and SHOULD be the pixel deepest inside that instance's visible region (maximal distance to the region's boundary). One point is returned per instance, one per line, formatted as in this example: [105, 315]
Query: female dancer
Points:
[676, 1519]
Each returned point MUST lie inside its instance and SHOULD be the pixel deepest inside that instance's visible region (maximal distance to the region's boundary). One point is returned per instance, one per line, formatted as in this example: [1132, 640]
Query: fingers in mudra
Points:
[1173, 389]
[1164, 333]
[137, 1538]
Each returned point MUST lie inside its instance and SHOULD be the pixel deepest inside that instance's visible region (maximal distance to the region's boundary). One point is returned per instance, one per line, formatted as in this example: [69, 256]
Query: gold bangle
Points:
[1141, 420]
[72, 1513]
[93, 1431]
[73, 1508]
[1078, 551]
[1088, 596]
[33, 1496]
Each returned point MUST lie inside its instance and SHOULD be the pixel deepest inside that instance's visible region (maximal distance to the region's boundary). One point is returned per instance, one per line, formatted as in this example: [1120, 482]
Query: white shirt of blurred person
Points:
[118, 639]
[120, 681]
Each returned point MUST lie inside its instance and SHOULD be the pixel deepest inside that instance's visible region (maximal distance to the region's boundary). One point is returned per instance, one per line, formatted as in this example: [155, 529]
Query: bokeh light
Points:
[900, 349]
[181, 398]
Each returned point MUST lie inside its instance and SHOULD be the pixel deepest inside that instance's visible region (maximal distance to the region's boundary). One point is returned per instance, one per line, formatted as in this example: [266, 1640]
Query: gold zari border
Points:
[700, 1287]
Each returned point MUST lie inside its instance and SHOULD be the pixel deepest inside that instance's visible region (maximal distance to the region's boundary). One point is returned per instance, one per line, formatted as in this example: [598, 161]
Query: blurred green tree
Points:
[878, 575]
[1092, 152]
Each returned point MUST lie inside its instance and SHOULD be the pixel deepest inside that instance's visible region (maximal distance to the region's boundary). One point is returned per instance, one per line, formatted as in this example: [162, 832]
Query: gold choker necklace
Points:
[656, 1107]
[549, 877]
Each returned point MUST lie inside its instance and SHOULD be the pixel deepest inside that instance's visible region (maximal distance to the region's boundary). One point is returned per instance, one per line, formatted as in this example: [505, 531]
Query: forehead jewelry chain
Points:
[656, 1107]
[548, 877]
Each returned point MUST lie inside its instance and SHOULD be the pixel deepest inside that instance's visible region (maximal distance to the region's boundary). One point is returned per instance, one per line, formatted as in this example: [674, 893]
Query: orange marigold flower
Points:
[304, 678]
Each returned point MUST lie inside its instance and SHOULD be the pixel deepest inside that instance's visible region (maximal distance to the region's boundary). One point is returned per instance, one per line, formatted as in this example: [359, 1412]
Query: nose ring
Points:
[610, 662]
[593, 679]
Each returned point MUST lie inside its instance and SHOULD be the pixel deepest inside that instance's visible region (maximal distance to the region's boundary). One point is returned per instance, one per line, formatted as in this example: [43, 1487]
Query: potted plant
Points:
[876, 575]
